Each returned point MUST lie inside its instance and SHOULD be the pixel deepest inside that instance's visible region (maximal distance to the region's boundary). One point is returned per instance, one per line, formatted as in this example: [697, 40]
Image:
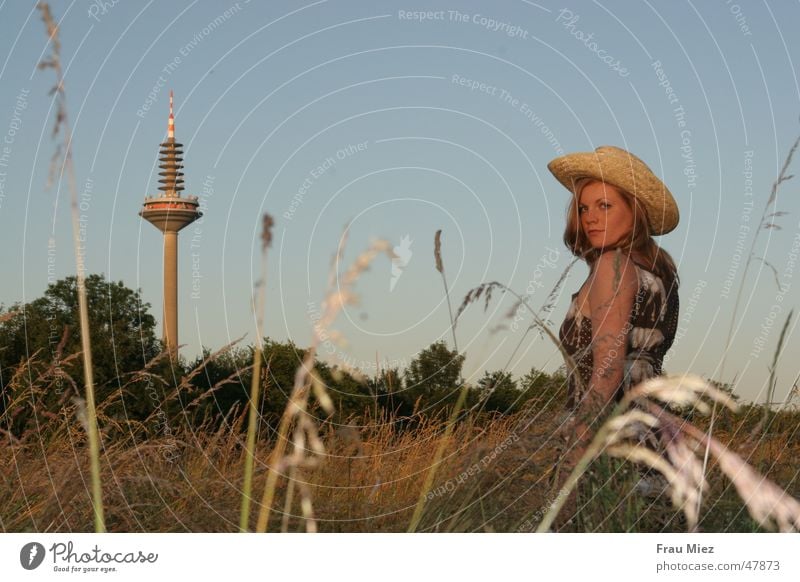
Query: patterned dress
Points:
[651, 331]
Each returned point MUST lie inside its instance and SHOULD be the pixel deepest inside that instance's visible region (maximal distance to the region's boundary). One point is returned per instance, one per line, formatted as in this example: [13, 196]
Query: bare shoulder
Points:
[614, 271]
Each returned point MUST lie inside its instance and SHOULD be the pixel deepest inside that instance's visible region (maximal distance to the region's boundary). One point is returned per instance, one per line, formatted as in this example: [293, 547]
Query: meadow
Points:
[173, 471]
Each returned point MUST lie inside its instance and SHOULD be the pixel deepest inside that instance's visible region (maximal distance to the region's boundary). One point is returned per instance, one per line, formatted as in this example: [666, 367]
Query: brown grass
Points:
[368, 481]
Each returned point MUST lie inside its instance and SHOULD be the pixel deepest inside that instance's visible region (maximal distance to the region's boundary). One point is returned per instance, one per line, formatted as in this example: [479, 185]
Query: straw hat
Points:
[622, 169]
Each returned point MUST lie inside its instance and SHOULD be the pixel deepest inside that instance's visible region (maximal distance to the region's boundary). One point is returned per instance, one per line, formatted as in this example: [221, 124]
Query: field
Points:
[496, 475]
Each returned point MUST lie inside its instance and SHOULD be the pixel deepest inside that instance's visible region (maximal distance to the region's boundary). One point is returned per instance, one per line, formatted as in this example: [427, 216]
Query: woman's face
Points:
[604, 214]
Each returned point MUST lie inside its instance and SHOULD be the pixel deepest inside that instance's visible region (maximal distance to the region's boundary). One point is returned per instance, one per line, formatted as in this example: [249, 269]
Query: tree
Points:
[121, 332]
[229, 375]
[220, 383]
[121, 327]
[433, 378]
[544, 391]
[351, 396]
[225, 380]
[387, 388]
[499, 390]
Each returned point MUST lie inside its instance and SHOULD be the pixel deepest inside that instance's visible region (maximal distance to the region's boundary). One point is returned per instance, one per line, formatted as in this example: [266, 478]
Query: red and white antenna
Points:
[171, 123]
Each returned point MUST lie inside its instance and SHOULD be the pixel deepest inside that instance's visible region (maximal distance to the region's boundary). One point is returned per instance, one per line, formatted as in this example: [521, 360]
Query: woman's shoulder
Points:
[611, 262]
[617, 267]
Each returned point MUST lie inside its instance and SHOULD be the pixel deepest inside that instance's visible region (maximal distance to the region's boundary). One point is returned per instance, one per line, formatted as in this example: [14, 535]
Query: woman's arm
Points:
[612, 290]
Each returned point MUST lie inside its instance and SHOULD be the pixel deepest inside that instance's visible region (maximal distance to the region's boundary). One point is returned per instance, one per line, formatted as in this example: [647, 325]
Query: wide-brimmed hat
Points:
[622, 169]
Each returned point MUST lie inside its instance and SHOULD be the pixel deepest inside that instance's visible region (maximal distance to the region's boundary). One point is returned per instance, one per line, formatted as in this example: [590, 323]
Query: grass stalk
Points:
[773, 379]
[255, 384]
[428, 483]
[437, 253]
[339, 295]
[67, 165]
[275, 457]
[767, 221]
[474, 295]
[462, 397]
[437, 458]
[287, 505]
[595, 448]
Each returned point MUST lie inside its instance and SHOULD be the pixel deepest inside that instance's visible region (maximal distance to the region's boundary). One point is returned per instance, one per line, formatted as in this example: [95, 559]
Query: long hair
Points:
[656, 260]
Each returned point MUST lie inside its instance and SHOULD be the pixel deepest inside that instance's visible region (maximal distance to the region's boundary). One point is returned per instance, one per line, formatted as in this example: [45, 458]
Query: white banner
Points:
[401, 557]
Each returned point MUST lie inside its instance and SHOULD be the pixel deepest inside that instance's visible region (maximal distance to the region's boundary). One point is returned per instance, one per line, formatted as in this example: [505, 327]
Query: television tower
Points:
[169, 212]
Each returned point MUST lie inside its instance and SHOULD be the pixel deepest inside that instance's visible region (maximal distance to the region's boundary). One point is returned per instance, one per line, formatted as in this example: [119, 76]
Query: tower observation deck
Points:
[169, 212]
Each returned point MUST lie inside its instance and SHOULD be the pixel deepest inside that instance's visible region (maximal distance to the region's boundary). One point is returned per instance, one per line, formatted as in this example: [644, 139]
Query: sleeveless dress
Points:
[652, 324]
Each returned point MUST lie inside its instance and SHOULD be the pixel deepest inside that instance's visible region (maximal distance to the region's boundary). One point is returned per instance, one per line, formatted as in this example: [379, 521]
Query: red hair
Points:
[639, 241]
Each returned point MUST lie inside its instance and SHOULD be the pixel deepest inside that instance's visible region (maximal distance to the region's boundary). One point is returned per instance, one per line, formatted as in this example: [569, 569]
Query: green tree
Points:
[121, 332]
[433, 379]
[121, 327]
[351, 397]
[500, 392]
[388, 389]
[543, 391]
[222, 382]
[225, 382]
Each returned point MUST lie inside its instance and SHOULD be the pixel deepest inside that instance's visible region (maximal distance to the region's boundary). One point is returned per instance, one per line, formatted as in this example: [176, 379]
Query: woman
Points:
[623, 319]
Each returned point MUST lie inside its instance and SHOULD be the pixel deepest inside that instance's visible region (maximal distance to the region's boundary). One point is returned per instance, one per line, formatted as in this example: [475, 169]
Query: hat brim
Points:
[622, 169]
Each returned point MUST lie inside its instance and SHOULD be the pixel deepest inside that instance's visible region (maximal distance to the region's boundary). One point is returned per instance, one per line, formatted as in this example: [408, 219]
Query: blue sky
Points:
[440, 120]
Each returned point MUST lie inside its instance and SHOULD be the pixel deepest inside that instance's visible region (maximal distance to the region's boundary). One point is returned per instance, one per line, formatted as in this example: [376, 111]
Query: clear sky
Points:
[399, 119]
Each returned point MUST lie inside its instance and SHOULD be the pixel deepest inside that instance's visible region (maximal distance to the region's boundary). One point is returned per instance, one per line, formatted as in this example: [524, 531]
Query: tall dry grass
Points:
[259, 301]
[768, 221]
[297, 431]
[368, 479]
[62, 157]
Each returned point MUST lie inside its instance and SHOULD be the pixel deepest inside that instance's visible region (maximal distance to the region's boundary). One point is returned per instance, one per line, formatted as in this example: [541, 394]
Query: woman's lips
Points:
[595, 231]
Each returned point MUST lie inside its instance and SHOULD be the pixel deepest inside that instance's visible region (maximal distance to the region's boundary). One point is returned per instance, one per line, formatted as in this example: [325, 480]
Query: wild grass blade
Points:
[767, 220]
[339, 295]
[255, 383]
[62, 125]
[437, 458]
[437, 255]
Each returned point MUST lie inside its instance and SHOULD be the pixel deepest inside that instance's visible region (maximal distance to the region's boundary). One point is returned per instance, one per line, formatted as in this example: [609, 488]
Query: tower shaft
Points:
[170, 321]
